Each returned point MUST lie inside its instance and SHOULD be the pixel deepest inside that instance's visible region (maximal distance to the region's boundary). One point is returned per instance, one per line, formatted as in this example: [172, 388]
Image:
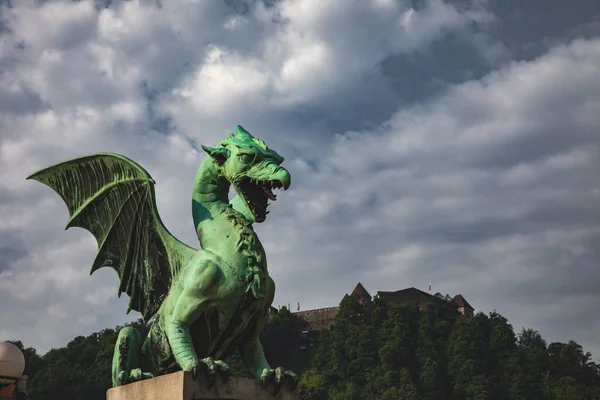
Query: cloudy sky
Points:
[451, 142]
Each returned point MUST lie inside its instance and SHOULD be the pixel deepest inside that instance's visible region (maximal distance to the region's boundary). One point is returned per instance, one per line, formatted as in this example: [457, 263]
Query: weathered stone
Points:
[181, 386]
[319, 319]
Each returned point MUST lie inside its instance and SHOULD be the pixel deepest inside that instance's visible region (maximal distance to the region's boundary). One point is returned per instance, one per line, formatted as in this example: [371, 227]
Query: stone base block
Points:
[181, 386]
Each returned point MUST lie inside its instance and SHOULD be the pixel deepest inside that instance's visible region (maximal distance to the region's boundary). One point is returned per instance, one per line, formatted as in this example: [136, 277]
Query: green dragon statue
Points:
[203, 303]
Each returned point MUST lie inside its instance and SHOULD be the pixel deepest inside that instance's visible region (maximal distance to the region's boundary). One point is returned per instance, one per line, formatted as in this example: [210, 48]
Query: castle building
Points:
[321, 319]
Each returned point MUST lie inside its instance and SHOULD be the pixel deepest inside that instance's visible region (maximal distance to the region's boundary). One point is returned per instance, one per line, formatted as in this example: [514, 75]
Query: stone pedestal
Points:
[181, 386]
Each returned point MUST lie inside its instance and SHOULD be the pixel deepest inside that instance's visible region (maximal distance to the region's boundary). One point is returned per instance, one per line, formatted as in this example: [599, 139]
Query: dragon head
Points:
[252, 169]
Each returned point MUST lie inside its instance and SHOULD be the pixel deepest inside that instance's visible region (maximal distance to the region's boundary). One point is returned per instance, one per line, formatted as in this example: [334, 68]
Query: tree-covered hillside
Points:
[376, 353]
[400, 352]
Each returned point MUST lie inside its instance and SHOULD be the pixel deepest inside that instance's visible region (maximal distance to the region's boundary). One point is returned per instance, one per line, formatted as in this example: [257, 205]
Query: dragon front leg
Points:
[126, 358]
[185, 308]
[185, 355]
[182, 346]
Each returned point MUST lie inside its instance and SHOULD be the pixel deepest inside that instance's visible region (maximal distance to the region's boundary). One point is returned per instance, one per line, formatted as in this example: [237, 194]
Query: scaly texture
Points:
[248, 246]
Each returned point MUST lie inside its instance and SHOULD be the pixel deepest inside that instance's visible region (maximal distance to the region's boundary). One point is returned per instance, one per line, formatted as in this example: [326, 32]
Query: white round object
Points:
[12, 361]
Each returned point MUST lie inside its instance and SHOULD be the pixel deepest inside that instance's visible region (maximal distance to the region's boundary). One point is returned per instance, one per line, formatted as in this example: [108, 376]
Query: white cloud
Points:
[317, 50]
[225, 80]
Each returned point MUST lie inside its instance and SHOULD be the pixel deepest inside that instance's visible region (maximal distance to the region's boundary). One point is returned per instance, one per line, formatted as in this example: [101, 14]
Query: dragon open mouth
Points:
[257, 194]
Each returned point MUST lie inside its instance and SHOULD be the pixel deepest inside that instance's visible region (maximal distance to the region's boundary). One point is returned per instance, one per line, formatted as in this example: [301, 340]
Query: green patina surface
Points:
[204, 303]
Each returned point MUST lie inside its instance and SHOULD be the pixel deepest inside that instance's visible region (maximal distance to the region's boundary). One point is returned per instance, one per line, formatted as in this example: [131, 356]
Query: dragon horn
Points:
[242, 132]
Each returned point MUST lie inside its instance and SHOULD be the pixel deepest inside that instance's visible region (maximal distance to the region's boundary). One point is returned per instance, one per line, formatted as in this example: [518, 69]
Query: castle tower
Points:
[363, 296]
[463, 306]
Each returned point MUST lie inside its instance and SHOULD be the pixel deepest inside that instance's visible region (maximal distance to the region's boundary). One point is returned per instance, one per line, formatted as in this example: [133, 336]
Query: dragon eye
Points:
[247, 158]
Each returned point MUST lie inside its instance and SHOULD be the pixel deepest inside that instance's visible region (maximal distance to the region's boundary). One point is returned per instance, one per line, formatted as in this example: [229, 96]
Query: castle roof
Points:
[410, 294]
[461, 302]
[360, 291]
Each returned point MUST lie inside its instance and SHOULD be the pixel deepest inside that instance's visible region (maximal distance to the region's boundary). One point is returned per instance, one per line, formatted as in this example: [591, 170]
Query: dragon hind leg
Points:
[126, 358]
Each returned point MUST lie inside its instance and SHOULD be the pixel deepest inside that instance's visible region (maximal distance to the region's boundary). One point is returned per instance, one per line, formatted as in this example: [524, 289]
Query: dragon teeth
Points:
[270, 194]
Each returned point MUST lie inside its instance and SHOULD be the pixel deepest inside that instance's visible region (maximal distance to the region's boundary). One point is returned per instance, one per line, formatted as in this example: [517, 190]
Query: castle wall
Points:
[319, 319]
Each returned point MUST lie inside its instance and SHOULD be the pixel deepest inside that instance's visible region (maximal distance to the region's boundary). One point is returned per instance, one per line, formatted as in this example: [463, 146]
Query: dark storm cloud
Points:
[20, 102]
[517, 31]
[527, 28]
[12, 248]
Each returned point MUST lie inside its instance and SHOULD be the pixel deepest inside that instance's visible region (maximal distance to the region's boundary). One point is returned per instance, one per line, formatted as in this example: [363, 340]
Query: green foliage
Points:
[281, 344]
[402, 352]
[282, 333]
[80, 370]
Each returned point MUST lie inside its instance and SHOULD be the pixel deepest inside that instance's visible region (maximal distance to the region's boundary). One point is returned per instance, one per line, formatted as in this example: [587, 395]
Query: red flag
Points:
[429, 287]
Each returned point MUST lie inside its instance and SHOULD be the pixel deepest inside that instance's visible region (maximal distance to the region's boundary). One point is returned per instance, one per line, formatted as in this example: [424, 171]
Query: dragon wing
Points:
[113, 197]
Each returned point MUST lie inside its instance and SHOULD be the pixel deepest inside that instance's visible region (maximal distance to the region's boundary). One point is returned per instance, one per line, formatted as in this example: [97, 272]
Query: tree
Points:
[467, 358]
[435, 327]
[400, 338]
[533, 360]
[570, 372]
[346, 356]
[281, 337]
[313, 386]
[506, 375]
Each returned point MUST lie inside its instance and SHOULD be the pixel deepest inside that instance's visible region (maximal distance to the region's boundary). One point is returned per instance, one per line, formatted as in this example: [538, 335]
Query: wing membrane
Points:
[113, 197]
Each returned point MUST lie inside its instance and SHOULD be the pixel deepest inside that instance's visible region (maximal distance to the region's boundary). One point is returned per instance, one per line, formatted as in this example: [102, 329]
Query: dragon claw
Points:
[223, 370]
[136, 374]
[122, 378]
[194, 372]
[279, 377]
[211, 369]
